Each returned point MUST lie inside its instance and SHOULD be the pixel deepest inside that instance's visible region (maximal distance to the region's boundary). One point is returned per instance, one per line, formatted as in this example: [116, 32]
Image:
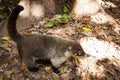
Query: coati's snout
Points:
[77, 49]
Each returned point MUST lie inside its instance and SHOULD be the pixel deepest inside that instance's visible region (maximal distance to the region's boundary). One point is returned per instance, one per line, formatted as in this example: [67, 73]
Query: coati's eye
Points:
[80, 53]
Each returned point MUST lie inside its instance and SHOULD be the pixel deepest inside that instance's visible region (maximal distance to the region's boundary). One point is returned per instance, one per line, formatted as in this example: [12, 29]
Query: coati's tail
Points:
[11, 25]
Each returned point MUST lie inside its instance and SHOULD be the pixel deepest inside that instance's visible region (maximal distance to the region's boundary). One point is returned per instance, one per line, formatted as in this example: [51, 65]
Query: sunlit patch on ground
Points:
[100, 48]
[102, 56]
[94, 9]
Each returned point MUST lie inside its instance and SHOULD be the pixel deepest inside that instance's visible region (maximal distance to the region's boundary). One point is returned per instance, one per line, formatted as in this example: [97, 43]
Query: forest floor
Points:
[11, 67]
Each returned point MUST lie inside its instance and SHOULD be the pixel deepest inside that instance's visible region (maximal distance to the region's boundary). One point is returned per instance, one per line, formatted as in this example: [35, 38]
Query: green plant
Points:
[59, 18]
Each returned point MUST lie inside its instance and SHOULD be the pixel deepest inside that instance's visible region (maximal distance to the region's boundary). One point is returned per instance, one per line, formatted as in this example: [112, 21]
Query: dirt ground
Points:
[11, 67]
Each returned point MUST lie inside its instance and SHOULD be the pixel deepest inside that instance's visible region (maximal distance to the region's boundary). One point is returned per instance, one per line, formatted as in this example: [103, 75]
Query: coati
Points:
[33, 47]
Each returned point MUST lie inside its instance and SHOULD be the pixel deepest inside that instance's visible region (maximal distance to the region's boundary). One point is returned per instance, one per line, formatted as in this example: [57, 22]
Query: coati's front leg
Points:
[48, 63]
[58, 60]
[30, 62]
[56, 63]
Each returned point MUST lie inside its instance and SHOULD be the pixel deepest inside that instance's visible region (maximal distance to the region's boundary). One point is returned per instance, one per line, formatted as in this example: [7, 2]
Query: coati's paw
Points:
[55, 70]
[33, 69]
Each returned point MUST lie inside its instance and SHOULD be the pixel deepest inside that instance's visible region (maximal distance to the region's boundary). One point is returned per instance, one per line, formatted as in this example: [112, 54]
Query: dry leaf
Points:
[62, 70]
[65, 76]
[9, 72]
[5, 38]
[55, 76]
[23, 66]
[76, 60]
[86, 29]
[1, 77]
[47, 69]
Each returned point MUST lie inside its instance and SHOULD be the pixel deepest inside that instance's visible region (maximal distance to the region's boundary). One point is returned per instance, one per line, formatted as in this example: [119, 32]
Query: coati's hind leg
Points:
[30, 62]
[57, 61]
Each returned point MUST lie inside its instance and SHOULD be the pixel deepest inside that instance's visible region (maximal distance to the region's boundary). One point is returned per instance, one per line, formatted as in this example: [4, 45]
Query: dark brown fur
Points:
[33, 47]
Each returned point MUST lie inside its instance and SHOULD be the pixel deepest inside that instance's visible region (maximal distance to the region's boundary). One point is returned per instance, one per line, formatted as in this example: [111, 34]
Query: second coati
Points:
[33, 47]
